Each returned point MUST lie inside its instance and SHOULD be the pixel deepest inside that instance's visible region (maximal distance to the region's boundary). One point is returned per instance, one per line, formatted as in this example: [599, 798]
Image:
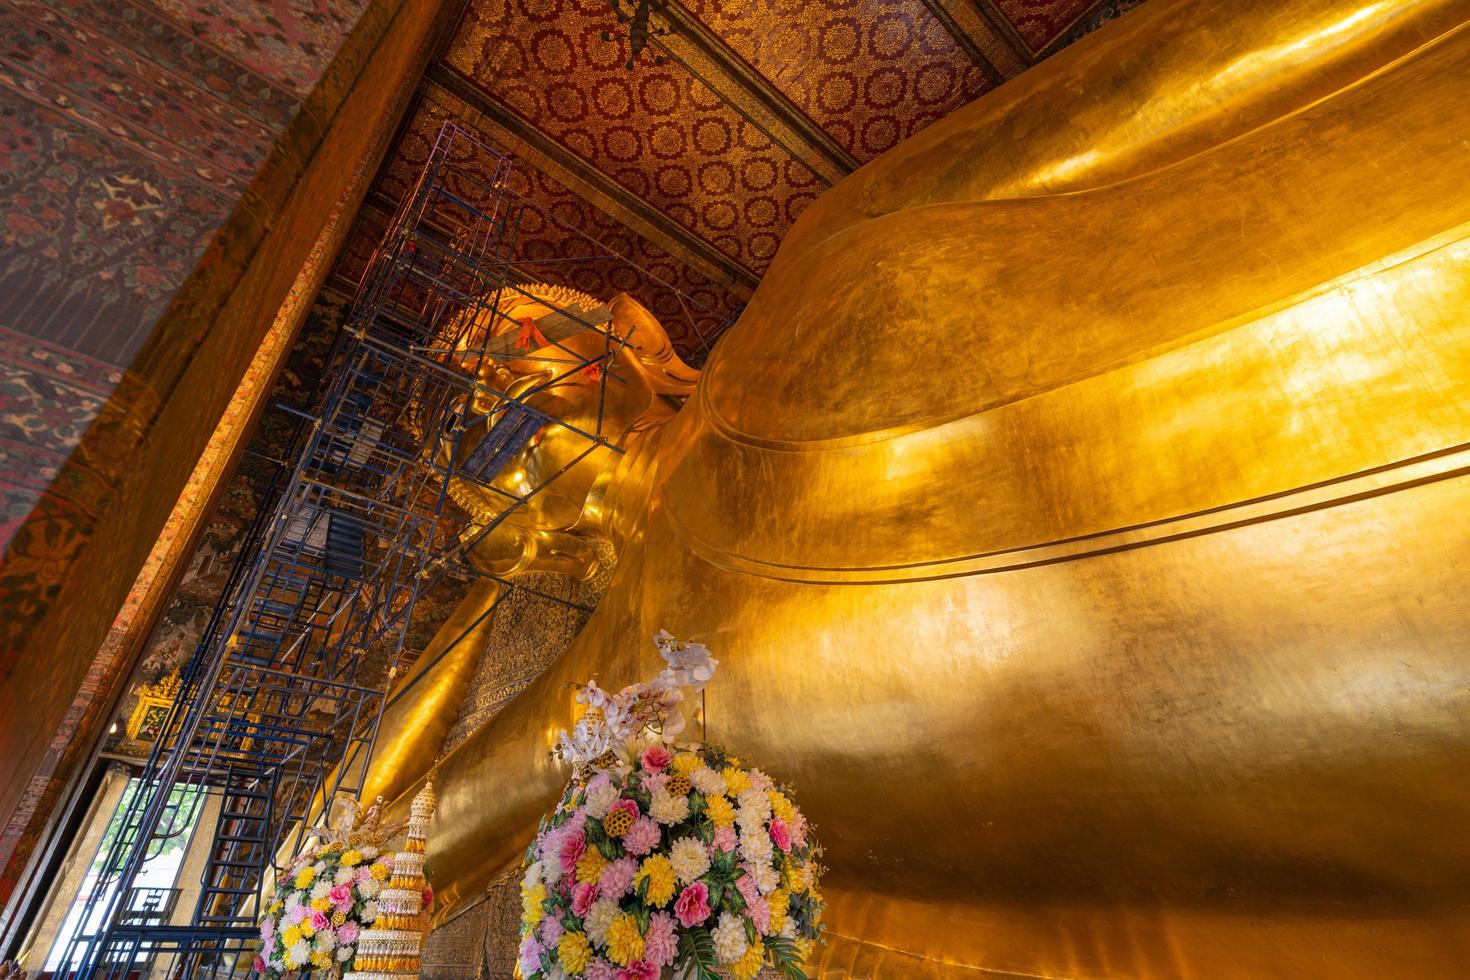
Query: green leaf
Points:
[643, 916]
[786, 958]
[608, 849]
[734, 901]
[697, 955]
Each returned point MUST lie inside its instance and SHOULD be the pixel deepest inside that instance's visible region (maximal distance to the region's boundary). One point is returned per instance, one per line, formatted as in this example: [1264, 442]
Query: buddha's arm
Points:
[1170, 80]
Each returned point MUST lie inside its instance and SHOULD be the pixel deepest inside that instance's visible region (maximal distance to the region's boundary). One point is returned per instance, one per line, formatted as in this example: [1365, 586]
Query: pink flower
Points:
[583, 896]
[644, 837]
[530, 956]
[656, 758]
[341, 895]
[267, 930]
[638, 970]
[549, 843]
[428, 895]
[725, 839]
[798, 830]
[661, 943]
[760, 913]
[600, 969]
[298, 914]
[617, 878]
[551, 931]
[572, 847]
[319, 920]
[781, 834]
[347, 933]
[259, 964]
[745, 885]
[655, 781]
[692, 905]
[364, 872]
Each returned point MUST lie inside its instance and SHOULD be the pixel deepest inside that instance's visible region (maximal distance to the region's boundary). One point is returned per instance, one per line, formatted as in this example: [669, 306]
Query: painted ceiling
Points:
[693, 165]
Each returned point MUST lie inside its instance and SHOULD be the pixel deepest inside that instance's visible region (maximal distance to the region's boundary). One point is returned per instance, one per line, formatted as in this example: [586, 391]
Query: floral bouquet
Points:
[666, 858]
[323, 901]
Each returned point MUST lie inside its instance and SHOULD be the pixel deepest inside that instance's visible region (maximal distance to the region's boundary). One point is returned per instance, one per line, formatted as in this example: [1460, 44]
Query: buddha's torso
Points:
[1083, 539]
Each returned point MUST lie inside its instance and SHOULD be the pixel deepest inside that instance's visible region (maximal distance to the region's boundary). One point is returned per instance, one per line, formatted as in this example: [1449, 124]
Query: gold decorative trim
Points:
[1003, 26]
[148, 717]
[751, 94]
[975, 30]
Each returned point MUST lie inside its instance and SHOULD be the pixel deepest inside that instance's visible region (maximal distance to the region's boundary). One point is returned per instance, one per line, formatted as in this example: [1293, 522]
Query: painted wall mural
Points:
[129, 130]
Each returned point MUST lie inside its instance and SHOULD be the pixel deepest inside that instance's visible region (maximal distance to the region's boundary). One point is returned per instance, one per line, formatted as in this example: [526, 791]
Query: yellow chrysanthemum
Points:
[804, 947]
[290, 936]
[305, 876]
[736, 781]
[686, 762]
[321, 904]
[798, 877]
[307, 929]
[661, 880]
[531, 898]
[590, 865]
[380, 872]
[624, 941]
[720, 810]
[351, 858]
[321, 960]
[780, 905]
[781, 807]
[574, 952]
[750, 964]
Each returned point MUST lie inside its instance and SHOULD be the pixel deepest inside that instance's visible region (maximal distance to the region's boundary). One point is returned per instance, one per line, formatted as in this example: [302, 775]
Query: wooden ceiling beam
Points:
[991, 45]
[502, 125]
[751, 94]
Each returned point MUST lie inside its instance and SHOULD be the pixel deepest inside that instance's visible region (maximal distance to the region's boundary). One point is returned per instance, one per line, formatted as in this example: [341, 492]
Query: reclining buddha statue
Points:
[1078, 512]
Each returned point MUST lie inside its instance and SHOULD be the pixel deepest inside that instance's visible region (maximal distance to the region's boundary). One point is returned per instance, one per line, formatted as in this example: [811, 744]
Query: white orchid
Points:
[593, 696]
[615, 722]
[690, 663]
[587, 741]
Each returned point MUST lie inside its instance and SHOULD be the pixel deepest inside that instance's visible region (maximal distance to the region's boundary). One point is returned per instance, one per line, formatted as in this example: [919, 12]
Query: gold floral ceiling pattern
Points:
[694, 167]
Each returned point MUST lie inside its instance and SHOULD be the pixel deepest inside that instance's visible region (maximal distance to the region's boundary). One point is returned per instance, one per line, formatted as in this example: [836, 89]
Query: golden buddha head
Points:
[570, 388]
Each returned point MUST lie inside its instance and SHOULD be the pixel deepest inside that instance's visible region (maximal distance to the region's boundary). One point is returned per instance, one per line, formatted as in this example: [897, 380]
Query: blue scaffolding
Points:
[291, 677]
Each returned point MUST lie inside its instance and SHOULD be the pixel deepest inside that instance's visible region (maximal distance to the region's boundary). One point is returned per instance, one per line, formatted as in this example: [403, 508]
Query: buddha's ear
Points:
[650, 346]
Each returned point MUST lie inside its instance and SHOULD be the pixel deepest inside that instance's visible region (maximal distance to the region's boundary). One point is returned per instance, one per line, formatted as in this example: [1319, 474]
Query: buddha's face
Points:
[563, 468]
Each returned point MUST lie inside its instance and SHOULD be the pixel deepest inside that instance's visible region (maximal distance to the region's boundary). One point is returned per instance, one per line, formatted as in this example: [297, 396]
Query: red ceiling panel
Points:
[869, 72]
[1039, 22]
[660, 132]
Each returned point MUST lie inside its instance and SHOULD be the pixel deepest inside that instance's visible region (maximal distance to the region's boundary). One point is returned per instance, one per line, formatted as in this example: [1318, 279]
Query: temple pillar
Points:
[189, 238]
